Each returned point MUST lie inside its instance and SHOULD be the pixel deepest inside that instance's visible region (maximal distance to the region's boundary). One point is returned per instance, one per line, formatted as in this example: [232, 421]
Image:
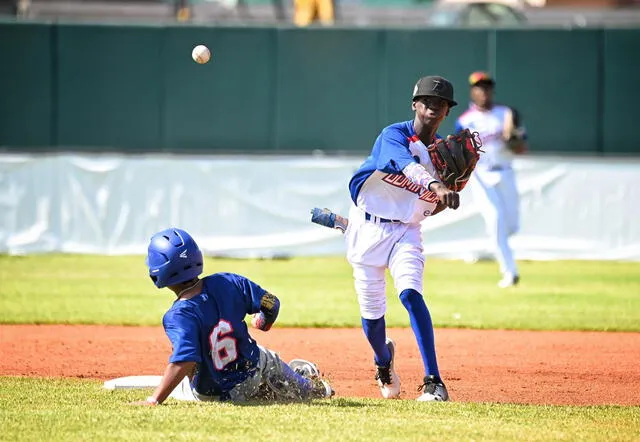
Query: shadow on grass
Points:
[340, 402]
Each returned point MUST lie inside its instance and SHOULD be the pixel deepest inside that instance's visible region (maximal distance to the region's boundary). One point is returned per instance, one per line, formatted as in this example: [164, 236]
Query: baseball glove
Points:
[514, 133]
[455, 158]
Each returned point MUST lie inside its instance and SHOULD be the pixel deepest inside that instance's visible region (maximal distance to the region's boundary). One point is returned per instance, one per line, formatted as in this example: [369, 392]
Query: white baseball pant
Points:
[373, 246]
[496, 194]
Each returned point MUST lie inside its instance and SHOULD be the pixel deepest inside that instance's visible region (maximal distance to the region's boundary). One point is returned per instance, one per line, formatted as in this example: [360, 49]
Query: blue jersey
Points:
[379, 186]
[209, 329]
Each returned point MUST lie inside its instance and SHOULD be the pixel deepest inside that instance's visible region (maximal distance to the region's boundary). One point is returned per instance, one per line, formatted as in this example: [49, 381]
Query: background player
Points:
[396, 188]
[494, 183]
[211, 343]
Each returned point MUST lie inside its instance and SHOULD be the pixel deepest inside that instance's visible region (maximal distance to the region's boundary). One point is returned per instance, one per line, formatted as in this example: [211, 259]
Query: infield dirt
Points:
[533, 367]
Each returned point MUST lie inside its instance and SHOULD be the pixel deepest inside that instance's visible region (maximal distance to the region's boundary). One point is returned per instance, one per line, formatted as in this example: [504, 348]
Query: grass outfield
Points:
[557, 295]
[70, 410]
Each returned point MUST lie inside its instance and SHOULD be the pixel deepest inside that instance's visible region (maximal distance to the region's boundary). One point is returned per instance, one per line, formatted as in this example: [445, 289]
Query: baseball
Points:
[201, 54]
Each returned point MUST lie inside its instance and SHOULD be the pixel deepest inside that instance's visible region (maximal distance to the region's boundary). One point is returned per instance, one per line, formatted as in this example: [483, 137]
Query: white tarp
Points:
[254, 206]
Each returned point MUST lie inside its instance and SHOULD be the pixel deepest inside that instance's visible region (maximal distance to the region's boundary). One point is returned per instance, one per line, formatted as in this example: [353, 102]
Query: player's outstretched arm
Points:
[173, 375]
[417, 174]
[269, 309]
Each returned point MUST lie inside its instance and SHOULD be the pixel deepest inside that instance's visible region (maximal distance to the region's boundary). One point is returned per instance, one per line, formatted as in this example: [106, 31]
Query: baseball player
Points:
[211, 343]
[396, 188]
[494, 182]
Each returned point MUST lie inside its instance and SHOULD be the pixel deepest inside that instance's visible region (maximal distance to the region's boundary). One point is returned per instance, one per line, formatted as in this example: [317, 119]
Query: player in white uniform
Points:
[395, 189]
[494, 182]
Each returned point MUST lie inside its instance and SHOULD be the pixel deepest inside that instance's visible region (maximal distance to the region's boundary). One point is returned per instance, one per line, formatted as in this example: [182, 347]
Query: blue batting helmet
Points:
[173, 257]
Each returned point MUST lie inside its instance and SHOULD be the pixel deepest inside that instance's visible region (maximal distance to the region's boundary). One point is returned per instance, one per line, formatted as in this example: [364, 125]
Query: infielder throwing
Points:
[494, 182]
[211, 342]
[411, 174]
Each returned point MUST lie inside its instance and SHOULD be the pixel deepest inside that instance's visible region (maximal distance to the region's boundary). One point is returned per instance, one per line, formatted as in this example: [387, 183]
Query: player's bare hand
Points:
[447, 197]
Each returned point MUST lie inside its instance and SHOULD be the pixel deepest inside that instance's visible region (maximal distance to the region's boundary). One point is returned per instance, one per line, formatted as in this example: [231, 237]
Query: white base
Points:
[133, 382]
[182, 392]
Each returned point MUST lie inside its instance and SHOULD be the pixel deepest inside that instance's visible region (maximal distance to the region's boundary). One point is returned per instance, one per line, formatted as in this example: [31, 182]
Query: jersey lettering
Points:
[403, 182]
[429, 197]
[223, 348]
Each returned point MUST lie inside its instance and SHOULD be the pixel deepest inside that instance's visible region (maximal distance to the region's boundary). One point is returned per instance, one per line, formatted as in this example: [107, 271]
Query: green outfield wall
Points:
[135, 88]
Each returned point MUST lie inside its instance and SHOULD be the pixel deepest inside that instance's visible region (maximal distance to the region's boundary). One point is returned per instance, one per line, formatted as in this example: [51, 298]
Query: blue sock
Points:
[375, 331]
[305, 385]
[422, 329]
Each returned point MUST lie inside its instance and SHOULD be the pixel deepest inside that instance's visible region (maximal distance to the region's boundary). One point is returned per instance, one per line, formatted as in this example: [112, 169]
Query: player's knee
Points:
[370, 289]
[409, 280]
[371, 297]
[373, 310]
[373, 304]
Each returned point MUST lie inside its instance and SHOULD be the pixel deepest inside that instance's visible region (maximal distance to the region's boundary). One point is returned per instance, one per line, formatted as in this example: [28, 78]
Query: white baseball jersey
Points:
[490, 125]
[380, 188]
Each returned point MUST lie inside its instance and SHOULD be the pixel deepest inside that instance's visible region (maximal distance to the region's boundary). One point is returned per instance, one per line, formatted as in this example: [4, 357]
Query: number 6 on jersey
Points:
[223, 348]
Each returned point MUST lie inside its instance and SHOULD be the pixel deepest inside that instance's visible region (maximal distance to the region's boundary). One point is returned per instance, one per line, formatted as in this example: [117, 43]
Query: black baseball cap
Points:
[434, 86]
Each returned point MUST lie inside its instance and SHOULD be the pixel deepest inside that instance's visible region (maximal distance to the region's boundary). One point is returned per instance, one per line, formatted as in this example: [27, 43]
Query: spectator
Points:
[307, 11]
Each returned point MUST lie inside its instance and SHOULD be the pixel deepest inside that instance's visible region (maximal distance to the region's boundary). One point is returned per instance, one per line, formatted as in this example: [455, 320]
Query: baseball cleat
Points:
[304, 368]
[388, 380]
[433, 390]
[509, 281]
[321, 389]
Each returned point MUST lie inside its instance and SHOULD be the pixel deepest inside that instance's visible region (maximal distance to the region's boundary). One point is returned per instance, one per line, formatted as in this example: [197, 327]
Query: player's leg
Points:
[368, 247]
[422, 327]
[487, 195]
[325, 12]
[511, 197]
[304, 12]
[508, 225]
[407, 269]
[406, 265]
[303, 380]
[371, 291]
[278, 380]
[370, 288]
[309, 370]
